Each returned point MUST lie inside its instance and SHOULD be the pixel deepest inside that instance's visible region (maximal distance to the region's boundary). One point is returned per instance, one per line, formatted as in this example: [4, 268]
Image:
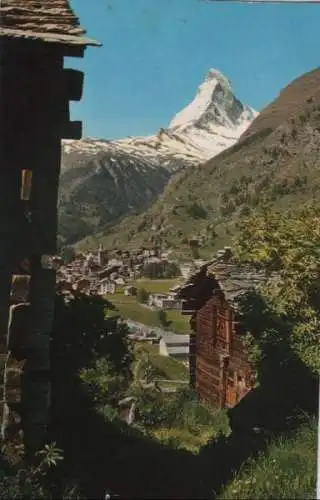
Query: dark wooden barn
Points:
[35, 90]
[219, 369]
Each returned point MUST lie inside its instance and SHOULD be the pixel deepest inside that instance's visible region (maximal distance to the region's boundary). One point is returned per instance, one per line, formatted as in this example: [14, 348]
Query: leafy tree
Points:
[83, 332]
[158, 270]
[197, 211]
[245, 211]
[67, 253]
[104, 385]
[142, 295]
[87, 342]
[288, 247]
[228, 208]
[171, 270]
[195, 252]
[163, 319]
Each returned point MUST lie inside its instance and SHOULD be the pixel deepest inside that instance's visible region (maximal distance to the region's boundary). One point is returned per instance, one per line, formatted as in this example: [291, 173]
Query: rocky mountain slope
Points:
[277, 160]
[103, 180]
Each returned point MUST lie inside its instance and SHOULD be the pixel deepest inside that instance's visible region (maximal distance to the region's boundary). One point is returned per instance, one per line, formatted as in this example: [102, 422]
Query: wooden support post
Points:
[35, 401]
[224, 361]
[5, 285]
[192, 353]
[35, 88]
[73, 84]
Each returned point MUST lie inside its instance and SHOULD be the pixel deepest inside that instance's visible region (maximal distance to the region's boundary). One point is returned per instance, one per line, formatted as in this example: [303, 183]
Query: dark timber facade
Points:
[219, 368]
[35, 91]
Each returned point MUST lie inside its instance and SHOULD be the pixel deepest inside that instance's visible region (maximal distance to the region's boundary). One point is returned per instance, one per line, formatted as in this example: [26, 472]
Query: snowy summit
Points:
[204, 99]
[213, 121]
[215, 118]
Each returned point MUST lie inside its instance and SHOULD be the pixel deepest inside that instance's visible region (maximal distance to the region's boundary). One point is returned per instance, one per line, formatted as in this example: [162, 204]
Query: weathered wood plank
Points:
[71, 130]
[73, 82]
[35, 378]
[216, 338]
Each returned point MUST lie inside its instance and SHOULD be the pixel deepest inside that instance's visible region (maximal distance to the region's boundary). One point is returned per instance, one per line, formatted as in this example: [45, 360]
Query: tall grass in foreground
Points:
[179, 420]
[286, 470]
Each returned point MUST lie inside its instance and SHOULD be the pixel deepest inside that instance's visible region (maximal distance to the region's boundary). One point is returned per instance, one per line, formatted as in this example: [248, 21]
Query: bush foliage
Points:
[288, 247]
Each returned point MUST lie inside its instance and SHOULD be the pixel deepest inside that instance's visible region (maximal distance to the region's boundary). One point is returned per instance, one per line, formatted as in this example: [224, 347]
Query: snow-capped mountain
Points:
[212, 122]
[110, 178]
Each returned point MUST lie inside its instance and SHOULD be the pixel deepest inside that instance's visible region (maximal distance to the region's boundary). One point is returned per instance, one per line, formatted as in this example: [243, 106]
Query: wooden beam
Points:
[71, 130]
[35, 379]
[71, 50]
[73, 81]
[5, 285]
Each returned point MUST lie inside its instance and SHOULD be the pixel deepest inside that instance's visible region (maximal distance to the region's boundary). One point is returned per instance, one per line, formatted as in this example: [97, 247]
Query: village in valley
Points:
[103, 272]
[162, 312]
[119, 276]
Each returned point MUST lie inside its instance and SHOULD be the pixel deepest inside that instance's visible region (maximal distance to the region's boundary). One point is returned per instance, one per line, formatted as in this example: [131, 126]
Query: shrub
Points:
[161, 270]
[104, 385]
[162, 317]
[32, 480]
[180, 410]
[286, 470]
[142, 296]
[196, 211]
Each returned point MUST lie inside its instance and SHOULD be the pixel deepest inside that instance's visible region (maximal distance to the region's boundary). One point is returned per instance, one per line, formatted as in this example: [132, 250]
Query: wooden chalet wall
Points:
[34, 108]
[221, 371]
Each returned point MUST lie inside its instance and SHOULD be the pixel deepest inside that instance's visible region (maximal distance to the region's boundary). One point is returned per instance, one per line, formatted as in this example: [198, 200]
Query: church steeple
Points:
[100, 256]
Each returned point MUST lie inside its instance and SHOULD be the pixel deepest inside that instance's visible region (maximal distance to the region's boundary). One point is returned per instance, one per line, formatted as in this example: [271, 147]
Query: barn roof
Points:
[176, 339]
[233, 279]
[47, 20]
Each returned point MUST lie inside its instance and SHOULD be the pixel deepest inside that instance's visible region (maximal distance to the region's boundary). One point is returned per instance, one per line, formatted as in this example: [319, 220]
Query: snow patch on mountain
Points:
[212, 122]
[202, 100]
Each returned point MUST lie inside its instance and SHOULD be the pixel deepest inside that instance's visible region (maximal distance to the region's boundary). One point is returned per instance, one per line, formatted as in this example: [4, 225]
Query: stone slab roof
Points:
[233, 279]
[176, 339]
[47, 20]
[178, 350]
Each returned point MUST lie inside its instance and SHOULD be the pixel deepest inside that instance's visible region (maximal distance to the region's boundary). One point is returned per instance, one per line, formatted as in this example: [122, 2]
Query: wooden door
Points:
[241, 385]
[231, 393]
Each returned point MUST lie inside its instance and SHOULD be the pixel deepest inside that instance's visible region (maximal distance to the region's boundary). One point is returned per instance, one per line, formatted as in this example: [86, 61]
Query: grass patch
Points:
[155, 286]
[175, 419]
[179, 421]
[183, 438]
[179, 323]
[129, 308]
[286, 470]
[166, 367]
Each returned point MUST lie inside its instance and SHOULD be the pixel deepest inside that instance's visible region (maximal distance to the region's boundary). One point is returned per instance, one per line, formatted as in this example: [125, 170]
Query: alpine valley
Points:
[276, 163]
[104, 180]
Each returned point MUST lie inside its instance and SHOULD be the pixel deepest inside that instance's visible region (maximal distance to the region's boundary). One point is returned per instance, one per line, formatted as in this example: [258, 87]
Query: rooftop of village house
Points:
[232, 278]
[46, 20]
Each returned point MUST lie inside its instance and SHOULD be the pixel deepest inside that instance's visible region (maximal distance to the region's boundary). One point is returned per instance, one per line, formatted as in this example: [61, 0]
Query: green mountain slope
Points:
[95, 190]
[103, 180]
[277, 160]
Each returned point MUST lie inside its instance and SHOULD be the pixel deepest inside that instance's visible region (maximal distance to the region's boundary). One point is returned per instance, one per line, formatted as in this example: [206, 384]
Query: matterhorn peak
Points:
[215, 76]
[214, 106]
[213, 121]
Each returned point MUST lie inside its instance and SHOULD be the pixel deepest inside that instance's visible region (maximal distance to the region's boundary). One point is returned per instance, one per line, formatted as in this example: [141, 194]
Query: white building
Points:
[106, 286]
[175, 346]
[186, 270]
[164, 301]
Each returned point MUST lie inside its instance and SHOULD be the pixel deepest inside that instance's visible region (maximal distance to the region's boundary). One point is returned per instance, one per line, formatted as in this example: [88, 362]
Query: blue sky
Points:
[156, 52]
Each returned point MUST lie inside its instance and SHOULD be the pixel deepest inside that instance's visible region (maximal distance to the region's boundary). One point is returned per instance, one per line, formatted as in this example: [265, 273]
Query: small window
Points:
[19, 288]
[26, 184]
[231, 378]
[231, 381]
